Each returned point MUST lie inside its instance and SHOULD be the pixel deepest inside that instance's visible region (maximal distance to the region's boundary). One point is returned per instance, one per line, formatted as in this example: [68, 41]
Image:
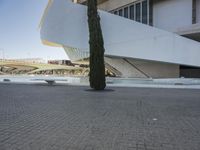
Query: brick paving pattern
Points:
[40, 117]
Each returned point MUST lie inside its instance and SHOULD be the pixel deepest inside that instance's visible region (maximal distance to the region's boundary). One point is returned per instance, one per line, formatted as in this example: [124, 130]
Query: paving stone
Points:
[39, 117]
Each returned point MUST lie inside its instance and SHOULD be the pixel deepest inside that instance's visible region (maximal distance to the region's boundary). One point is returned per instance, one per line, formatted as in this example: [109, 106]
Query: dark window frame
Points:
[138, 12]
[139, 16]
[132, 12]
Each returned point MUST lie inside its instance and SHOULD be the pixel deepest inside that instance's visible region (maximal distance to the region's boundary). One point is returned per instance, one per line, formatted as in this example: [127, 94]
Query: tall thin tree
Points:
[97, 66]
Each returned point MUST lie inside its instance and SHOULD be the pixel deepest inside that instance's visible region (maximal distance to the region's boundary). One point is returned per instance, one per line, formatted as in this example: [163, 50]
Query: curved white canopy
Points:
[65, 23]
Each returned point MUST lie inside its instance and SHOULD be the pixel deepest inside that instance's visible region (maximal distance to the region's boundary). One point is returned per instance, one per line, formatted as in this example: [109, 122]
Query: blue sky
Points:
[19, 33]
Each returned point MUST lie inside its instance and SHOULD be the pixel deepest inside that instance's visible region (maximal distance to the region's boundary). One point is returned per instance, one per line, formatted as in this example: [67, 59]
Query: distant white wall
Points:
[172, 14]
[198, 11]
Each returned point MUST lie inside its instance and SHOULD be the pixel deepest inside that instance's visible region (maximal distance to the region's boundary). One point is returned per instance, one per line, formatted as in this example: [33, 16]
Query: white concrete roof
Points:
[65, 23]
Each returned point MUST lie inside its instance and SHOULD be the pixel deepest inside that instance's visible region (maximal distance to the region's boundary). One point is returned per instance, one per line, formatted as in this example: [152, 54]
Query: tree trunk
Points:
[97, 66]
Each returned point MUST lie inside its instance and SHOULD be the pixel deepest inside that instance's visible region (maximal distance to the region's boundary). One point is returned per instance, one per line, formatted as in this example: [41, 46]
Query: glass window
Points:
[131, 12]
[144, 12]
[126, 12]
[120, 12]
[138, 12]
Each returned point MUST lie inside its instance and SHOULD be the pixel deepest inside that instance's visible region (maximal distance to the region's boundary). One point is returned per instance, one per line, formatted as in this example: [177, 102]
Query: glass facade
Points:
[138, 11]
[144, 12]
[132, 12]
[126, 12]
[120, 12]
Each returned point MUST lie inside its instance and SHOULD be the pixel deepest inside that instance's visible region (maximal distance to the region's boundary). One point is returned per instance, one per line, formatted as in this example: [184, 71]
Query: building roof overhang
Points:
[65, 23]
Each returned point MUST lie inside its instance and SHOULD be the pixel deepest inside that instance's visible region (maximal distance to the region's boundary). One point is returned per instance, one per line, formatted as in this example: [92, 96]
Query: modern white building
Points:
[143, 38]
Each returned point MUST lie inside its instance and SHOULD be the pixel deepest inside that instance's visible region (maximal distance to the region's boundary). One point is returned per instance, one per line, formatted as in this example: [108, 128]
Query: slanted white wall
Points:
[157, 69]
[143, 69]
[198, 11]
[172, 14]
[126, 69]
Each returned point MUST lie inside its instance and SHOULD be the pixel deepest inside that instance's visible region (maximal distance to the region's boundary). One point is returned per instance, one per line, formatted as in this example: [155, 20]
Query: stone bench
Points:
[49, 81]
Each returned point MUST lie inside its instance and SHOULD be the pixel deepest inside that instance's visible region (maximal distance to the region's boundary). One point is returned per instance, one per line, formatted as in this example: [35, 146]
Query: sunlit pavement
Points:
[42, 117]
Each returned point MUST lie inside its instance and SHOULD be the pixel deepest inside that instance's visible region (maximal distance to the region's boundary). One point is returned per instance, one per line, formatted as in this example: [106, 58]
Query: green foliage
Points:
[97, 66]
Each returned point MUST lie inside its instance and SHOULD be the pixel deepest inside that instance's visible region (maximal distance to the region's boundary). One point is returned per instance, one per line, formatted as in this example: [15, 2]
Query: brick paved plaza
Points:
[41, 117]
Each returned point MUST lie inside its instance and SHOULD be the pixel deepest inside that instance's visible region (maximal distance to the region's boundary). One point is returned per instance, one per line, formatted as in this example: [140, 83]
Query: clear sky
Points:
[19, 33]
